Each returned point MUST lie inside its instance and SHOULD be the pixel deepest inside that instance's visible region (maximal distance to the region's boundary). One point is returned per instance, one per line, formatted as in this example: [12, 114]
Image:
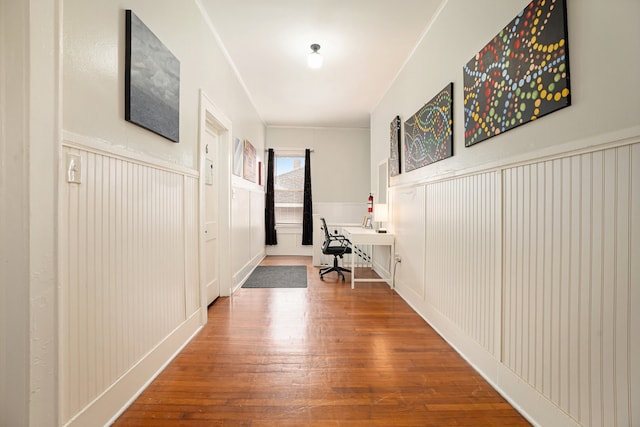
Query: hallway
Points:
[325, 355]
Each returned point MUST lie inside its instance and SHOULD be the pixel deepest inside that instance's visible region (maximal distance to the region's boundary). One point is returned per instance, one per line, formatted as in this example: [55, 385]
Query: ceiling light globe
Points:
[314, 60]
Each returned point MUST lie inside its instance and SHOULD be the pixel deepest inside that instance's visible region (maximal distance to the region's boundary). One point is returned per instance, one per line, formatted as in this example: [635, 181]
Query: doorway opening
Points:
[215, 203]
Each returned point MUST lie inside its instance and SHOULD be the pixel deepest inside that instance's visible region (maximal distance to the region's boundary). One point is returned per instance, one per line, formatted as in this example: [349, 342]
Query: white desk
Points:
[365, 236]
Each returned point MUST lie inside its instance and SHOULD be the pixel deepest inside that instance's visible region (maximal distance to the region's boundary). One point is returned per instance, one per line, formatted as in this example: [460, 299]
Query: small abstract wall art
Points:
[394, 141]
[520, 75]
[428, 134]
[249, 162]
[238, 153]
[152, 81]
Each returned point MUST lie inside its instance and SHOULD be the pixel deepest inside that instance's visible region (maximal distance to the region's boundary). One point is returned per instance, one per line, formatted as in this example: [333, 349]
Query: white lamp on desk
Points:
[381, 216]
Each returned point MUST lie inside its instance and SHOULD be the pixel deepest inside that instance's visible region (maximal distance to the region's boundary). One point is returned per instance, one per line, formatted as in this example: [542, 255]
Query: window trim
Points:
[292, 154]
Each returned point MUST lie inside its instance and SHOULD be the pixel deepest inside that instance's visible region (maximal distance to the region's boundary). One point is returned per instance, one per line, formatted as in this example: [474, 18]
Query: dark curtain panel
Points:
[271, 237]
[307, 207]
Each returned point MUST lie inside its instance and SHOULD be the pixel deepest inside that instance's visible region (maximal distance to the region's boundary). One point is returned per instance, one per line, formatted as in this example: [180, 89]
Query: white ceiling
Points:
[364, 44]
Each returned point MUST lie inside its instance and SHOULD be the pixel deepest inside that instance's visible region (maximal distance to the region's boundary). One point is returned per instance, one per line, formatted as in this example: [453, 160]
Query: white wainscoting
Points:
[290, 242]
[531, 272]
[462, 263]
[407, 214]
[568, 282]
[247, 229]
[129, 277]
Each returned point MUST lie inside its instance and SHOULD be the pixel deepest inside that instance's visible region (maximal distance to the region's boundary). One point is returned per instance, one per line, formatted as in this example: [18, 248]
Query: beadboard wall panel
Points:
[257, 223]
[192, 276]
[462, 259]
[129, 278]
[407, 213]
[568, 282]
[241, 228]
[247, 230]
[531, 272]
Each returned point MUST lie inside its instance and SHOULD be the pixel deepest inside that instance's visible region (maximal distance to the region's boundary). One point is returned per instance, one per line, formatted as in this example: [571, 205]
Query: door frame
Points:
[212, 117]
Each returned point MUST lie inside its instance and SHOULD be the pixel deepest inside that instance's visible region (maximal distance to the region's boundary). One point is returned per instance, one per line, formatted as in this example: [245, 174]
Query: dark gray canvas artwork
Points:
[152, 81]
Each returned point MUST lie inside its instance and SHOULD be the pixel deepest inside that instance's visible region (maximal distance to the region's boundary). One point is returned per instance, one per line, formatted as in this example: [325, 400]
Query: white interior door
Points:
[211, 270]
[214, 134]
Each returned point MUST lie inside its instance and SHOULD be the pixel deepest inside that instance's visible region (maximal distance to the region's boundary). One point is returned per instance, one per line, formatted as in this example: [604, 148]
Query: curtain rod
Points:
[289, 149]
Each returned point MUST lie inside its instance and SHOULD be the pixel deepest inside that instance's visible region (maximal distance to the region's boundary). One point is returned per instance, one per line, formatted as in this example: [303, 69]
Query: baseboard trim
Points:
[532, 405]
[241, 276]
[107, 407]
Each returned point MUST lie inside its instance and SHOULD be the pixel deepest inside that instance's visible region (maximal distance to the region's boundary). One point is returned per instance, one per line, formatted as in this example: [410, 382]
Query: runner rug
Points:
[277, 276]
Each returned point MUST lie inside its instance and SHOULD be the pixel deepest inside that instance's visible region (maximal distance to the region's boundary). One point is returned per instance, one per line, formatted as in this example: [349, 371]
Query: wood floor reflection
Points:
[323, 356]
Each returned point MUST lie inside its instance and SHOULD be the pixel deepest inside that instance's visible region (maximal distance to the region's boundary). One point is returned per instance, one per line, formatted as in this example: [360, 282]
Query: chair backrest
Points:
[334, 244]
[326, 230]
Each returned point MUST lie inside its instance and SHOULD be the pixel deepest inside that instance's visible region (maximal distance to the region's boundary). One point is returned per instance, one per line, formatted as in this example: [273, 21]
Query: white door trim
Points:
[212, 117]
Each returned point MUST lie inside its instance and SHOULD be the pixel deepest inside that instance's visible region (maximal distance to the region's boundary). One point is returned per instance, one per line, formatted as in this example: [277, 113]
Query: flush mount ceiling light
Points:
[314, 60]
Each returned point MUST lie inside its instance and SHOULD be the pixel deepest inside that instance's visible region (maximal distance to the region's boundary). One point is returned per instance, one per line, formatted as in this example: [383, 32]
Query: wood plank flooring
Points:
[321, 356]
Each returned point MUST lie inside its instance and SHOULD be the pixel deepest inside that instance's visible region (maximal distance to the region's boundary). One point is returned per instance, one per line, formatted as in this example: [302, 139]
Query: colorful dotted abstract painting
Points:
[394, 142]
[520, 75]
[428, 134]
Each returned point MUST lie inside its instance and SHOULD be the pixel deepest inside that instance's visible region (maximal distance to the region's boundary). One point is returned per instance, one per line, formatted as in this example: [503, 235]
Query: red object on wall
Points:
[370, 203]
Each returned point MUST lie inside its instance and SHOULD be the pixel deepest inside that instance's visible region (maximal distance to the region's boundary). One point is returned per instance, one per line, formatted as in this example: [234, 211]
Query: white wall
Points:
[203, 66]
[518, 250]
[339, 176]
[93, 76]
[84, 102]
[14, 216]
[132, 173]
[599, 111]
[27, 188]
[339, 162]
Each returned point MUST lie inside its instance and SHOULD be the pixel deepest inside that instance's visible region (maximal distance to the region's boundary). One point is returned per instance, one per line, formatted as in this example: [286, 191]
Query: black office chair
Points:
[336, 245]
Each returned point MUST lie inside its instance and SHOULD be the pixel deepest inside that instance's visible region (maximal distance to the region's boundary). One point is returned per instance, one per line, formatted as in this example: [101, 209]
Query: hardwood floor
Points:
[323, 356]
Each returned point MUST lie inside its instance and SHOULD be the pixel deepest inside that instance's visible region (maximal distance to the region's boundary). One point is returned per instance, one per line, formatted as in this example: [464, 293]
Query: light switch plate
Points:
[208, 172]
[74, 168]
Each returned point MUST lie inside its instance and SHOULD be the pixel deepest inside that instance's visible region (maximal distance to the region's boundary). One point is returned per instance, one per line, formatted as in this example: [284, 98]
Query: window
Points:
[289, 188]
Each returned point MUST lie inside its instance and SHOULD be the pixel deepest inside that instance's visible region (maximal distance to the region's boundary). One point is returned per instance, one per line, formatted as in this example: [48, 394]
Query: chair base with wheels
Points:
[336, 245]
[335, 267]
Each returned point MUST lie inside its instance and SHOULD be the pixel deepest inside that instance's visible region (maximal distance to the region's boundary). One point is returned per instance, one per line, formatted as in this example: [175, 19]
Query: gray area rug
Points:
[277, 276]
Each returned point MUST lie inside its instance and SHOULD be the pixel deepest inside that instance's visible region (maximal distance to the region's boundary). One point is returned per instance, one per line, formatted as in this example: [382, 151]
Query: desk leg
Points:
[393, 265]
[353, 268]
